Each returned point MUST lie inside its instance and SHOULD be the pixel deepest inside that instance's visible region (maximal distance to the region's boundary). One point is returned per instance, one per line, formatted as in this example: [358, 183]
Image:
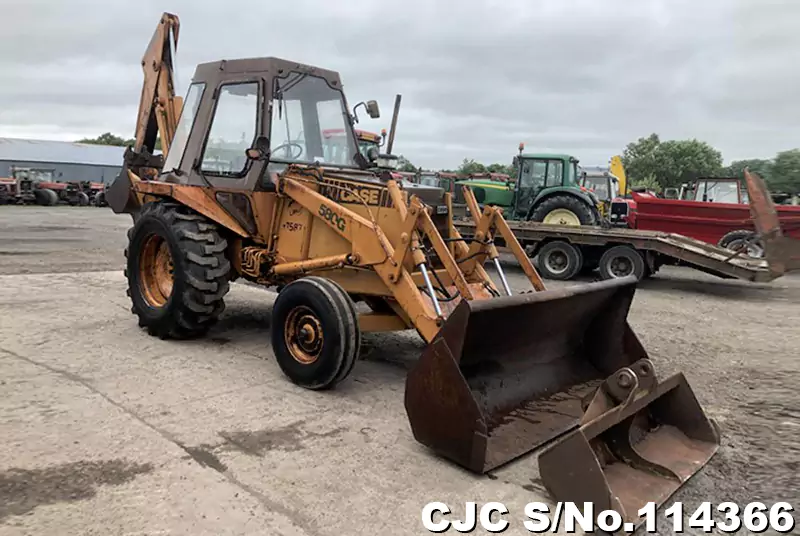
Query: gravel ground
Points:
[108, 431]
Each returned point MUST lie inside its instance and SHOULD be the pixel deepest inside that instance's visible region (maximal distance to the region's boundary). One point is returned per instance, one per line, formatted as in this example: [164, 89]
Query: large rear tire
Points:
[45, 197]
[82, 199]
[559, 260]
[177, 271]
[564, 210]
[315, 333]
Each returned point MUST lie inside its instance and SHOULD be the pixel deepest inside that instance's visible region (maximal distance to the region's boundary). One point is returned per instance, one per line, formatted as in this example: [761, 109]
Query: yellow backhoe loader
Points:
[245, 192]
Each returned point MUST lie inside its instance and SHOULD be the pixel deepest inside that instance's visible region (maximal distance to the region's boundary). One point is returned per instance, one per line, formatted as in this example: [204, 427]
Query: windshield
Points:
[717, 192]
[599, 185]
[310, 122]
[190, 105]
[429, 180]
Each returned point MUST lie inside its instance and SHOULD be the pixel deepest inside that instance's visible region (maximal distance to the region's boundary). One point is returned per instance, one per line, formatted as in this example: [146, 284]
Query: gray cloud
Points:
[477, 77]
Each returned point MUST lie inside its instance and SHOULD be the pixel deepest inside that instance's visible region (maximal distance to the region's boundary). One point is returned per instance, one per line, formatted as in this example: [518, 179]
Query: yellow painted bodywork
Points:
[618, 170]
[364, 235]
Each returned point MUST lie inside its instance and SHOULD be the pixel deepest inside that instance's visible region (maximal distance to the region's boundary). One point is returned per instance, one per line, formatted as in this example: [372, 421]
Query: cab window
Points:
[533, 173]
[555, 170]
[233, 130]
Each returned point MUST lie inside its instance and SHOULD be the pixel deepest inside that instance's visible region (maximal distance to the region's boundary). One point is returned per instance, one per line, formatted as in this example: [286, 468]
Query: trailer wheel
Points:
[559, 260]
[315, 333]
[621, 261]
[177, 271]
[742, 238]
[564, 210]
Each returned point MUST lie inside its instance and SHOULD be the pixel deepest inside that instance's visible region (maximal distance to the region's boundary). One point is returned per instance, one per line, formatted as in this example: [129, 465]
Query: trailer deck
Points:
[662, 248]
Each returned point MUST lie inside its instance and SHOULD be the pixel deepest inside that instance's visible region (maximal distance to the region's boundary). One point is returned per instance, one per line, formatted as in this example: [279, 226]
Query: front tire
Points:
[177, 271]
[315, 333]
[564, 210]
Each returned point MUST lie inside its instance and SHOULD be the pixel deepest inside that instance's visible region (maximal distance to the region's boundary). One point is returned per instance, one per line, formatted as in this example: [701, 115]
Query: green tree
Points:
[108, 139]
[785, 172]
[648, 182]
[670, 163]
[501, 168]
[639, 158]
[470, 166]
[758, 165]
[404, 164]
[681, 161]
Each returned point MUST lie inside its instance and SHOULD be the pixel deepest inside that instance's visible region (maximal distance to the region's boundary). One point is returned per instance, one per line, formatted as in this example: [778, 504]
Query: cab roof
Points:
[272, 65]
[550, 156]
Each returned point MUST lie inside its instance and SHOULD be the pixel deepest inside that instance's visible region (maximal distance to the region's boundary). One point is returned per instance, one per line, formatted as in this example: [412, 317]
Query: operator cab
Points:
[539, 172]
[244, 120]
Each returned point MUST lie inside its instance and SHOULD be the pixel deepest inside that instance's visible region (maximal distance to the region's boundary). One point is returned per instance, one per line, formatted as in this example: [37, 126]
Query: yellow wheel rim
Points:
[562, 216]
[156, 271]
[303, 335]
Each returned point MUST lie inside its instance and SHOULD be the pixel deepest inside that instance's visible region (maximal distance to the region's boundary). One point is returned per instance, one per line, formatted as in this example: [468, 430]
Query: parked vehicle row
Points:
[37, 186]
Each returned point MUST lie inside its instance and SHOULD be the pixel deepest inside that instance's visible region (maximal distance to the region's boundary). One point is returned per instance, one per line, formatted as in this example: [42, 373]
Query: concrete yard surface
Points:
[105, 430]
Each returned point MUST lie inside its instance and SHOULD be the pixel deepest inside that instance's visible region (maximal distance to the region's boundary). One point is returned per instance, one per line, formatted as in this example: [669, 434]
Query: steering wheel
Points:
[286, 146]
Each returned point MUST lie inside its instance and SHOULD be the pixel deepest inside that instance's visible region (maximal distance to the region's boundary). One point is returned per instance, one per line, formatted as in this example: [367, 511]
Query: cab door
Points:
[228, 121]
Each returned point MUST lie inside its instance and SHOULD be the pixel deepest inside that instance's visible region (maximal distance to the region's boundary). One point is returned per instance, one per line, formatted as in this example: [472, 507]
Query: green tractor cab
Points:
[547, 190]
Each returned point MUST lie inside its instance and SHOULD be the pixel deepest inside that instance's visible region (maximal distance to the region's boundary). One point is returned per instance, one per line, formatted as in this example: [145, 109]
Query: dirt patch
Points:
[22, 490]
[289, 438]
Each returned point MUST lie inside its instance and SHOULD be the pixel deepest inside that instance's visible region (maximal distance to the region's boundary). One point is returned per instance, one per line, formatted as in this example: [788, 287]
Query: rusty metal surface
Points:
[782, 252]
[639, 441]
[485, 391]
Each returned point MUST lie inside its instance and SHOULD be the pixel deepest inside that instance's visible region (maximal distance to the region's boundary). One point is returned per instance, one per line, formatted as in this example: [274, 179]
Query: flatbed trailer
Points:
[562, 252]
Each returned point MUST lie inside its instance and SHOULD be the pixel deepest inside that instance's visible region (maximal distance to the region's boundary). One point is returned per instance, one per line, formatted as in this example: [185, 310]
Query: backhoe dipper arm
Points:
[159, 107]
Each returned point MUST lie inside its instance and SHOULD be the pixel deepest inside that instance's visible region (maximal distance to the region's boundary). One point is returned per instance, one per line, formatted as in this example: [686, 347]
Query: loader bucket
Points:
[639, 441]
[120, 195]
[505, 375]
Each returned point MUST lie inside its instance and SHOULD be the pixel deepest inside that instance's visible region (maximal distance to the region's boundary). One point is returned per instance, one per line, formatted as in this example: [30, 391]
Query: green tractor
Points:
[547, 190]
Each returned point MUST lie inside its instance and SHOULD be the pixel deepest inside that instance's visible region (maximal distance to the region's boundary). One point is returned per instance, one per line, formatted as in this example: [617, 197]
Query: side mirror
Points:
[372, 109]
[259, 150]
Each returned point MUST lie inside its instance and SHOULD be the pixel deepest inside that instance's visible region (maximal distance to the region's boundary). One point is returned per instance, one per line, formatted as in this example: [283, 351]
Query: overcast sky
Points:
[477, 76]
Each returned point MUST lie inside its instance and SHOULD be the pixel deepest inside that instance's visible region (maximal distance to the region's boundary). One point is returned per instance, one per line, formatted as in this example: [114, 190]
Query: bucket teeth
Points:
[639, 441]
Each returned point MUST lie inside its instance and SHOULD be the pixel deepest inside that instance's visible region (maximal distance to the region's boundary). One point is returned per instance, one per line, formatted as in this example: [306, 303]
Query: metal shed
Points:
[68, 161]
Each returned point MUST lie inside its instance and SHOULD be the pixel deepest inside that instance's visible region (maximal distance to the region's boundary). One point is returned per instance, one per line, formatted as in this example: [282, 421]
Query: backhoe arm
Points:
[159, 107]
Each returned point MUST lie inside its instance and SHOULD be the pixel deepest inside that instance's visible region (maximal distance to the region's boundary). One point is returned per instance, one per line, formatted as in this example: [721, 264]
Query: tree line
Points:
[660, 164]
[648, 161]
